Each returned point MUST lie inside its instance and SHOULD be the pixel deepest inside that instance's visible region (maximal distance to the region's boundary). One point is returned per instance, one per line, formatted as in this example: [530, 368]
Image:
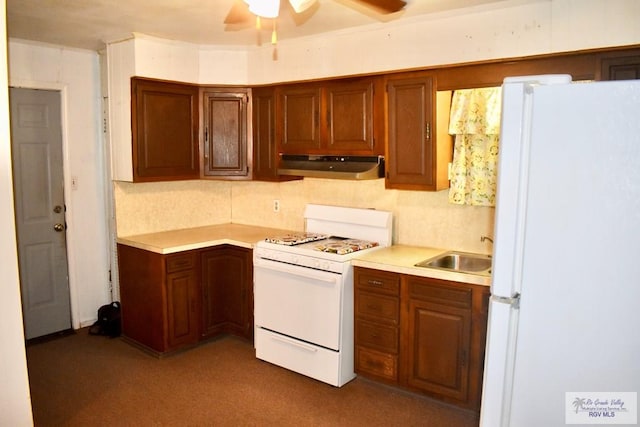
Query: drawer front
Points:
[377, 281]
[379, 337]
[375, 363]
[304, 358]
[439, 293]
[180, 262]
[377, 307]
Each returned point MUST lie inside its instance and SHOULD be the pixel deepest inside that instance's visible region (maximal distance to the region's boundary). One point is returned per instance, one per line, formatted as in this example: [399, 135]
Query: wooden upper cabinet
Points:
[225, 132]
[164, 120]
[334, 117]
[300, 115]
[621, 68]
[264, 134]
[350, 115]
[419, 149]
[265, 151]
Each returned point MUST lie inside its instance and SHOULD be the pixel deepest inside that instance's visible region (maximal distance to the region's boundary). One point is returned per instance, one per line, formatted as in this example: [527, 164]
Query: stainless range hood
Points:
[332, 167]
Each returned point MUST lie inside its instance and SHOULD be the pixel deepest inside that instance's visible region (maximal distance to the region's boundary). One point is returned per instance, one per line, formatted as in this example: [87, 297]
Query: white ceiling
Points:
[88, 24]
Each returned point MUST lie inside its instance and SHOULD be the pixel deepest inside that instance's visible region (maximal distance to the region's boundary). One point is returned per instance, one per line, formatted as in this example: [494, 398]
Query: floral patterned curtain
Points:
[475, 124]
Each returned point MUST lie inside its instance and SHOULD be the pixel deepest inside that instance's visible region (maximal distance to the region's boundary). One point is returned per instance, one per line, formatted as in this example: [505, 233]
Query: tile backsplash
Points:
[420, 218]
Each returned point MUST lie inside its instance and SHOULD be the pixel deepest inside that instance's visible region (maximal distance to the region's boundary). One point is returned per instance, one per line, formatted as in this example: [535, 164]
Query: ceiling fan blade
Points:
[238, 14]
[306, 9]
[301, 5]
[385, 6]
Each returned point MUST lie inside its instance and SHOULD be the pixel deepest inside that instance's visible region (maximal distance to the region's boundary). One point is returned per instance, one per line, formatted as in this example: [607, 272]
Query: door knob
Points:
[58, 227]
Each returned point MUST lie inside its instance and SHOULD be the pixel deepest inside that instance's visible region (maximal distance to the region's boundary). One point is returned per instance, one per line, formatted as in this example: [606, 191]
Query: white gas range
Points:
[303, 290]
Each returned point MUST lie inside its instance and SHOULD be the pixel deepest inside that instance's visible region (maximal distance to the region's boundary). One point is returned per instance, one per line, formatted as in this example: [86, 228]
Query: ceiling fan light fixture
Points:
[274, 35]
[264, 8]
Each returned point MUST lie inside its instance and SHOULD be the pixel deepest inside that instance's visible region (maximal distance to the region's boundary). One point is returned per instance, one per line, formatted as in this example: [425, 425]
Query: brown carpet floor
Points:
[83, 380]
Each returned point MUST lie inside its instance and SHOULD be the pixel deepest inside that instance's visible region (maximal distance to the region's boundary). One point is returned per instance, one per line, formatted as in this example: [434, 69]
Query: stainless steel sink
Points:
[461, 262]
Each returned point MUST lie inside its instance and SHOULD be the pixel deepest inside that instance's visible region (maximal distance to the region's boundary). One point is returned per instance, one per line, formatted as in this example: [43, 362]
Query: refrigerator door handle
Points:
[499, 361]
[513, 301]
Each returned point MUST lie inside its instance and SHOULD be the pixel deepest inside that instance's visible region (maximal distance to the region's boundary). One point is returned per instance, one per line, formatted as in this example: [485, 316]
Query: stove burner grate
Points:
[296, 238]
[344, 246]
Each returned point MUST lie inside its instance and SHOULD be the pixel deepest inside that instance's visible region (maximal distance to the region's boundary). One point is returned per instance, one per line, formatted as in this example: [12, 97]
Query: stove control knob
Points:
[295, 259]
[316, 263]
[325, 266]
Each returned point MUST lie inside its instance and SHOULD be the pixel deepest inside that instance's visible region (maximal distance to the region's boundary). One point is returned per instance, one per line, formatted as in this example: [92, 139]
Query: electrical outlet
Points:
[276, 205]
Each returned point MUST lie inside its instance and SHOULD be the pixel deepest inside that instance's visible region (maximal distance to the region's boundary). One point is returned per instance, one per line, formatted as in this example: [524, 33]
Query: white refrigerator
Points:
[563, 341]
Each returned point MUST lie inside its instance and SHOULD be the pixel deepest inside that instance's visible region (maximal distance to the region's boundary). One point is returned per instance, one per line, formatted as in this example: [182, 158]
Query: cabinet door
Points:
[416, 158]
[300, 107]
[225, 133]
[439, 343]
[141, 295]
[265, 151]
[164, 130]
[410, 159]
[349, 117]
[227, 300]
[265, 155]
[621, 68]
[182, 316]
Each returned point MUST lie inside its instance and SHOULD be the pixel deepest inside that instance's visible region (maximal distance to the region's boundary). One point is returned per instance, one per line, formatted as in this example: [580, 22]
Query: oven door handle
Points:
[283, 269]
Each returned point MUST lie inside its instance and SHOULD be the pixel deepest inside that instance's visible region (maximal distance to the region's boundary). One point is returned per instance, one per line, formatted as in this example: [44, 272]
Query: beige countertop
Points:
[168, 242]
[396, 258]
[402, 259]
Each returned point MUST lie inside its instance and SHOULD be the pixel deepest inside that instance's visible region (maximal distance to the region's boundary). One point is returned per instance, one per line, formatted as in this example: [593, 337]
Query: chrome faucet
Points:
[483, 238]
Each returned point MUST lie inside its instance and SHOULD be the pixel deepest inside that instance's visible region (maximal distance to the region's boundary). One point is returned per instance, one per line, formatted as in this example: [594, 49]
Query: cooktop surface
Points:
[322, 242]
[293, 239]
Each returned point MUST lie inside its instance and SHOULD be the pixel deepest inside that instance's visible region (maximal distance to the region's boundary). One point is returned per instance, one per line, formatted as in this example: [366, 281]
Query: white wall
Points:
[15, 403]
[223, 64]
[76, 74]
[497, 30]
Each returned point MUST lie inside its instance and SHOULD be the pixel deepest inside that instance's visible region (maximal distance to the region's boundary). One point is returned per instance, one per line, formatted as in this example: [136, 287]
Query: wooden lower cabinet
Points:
[227, 297]
[171, 302]
[440, 332]
[181, 290]
[438, 341]
[377, 321]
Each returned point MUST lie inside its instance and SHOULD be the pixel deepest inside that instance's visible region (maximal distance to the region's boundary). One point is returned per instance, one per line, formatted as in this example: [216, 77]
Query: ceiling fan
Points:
[246, 11]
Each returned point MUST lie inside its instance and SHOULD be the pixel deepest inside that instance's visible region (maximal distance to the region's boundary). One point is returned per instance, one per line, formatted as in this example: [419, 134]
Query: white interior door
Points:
[36, 137]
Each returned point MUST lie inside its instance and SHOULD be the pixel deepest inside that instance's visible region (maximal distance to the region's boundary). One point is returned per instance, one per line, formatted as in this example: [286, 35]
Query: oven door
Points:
[299, 302]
